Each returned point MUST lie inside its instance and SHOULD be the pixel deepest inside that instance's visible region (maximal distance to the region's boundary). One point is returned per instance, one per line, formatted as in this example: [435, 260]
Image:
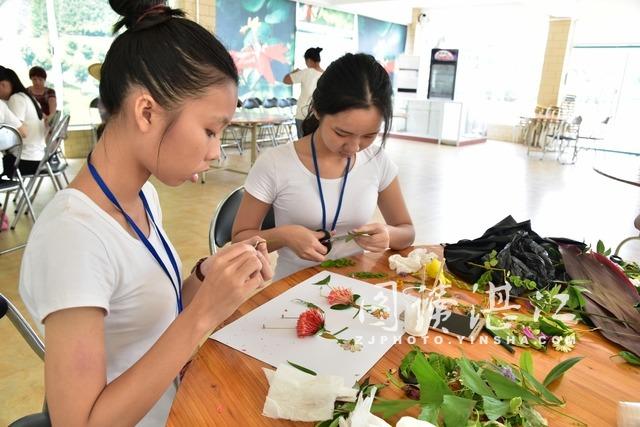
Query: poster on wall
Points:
[260, 36]
[384, 40]
[330, 29]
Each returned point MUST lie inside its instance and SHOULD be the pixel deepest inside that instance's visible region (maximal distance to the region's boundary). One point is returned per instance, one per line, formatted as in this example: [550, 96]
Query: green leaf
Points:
[367, 275]
[430, 413]
[546, 394]
[600, 247]
[456, 410]
[341, 307]
[324, 281]
[495, 408]
[526, 362]
[532, 418]
[554, 327]
[507, 389]
[328, 336]
[302, 368]
[515, 404]
[389, 408]
[470, 378]
[432, 386]
[630, 357]
[308, 304]
[337, 263]
[560, 369]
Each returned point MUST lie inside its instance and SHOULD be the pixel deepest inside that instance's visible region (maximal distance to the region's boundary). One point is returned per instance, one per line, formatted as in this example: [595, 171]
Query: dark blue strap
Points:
[103, 186]
[344, 184]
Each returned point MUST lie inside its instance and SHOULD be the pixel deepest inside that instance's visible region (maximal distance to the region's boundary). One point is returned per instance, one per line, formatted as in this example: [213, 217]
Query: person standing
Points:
[308, 79]
[45, 96]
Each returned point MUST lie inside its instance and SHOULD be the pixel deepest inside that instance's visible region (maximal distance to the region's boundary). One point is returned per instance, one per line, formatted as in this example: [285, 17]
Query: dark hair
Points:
[351, 81]
[313, 53]
[172, 57]
[37, 72]
[17, 87]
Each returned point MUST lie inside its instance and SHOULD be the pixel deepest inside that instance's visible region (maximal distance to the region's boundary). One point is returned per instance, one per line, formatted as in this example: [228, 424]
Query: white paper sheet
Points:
[276, 346]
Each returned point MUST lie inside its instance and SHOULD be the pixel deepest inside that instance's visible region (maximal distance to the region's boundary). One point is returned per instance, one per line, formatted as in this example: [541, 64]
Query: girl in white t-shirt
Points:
[98, 271]
[307, 78]
[332, 179]
[28, 111]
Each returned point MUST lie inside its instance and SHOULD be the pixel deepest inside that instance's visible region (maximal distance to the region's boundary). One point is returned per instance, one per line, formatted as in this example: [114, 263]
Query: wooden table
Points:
[224, 387]
[623, 167]
[255, 119]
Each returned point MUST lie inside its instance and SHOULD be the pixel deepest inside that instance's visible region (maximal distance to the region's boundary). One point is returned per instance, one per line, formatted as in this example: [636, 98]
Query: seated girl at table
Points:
[32, 128]
[99, 272]
[333, 178]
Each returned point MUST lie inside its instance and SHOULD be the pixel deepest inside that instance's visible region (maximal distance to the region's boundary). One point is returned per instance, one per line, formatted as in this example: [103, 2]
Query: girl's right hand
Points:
[233, 275]
[305, 243]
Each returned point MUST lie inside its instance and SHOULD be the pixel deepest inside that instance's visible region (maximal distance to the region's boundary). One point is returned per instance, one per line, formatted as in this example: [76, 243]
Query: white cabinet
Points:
[434, 119]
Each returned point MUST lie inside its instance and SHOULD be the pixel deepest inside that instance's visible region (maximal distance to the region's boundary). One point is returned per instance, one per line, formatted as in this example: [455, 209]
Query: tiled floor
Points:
[452, 193]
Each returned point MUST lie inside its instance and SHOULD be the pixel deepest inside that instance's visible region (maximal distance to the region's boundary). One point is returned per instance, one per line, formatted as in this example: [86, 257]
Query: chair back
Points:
[222, 221]
[270, 103]
[9, 138]
[57, 136]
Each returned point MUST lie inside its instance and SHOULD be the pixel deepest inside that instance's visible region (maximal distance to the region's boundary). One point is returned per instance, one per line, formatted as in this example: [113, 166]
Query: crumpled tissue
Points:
[412, 262]
[298, 396]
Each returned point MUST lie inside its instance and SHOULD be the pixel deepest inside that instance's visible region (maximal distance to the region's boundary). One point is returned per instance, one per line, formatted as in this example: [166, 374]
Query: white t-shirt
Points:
[279, 178]
[79, 256]
[7, 117]
[33, 145]
[308, 78]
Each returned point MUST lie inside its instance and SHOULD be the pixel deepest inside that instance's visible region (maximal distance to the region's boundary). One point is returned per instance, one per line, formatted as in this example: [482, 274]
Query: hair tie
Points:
[153, 10]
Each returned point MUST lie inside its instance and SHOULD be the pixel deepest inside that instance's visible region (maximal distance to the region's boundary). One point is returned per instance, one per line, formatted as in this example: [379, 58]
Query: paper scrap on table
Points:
[298, 396]
[412, 262]
[324, 356]
[361, 415]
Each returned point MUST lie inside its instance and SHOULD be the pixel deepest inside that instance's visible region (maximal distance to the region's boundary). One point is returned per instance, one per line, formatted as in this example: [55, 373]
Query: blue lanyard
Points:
[344, 184]
[103, 186]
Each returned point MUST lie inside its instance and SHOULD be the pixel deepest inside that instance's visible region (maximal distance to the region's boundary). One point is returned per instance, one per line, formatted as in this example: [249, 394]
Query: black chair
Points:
[569, 138]
[222, 221]
[40, 419]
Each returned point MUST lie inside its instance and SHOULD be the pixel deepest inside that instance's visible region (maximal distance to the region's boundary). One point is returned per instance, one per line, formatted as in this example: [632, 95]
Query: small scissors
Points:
[327, 239]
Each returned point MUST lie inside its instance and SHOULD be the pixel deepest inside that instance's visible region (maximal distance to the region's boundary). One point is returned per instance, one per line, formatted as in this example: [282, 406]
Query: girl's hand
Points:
[377, 239]
[232, 276]
[305, 243]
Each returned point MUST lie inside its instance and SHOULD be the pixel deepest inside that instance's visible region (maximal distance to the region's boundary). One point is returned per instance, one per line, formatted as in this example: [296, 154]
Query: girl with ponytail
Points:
[331, 180]
[99, 274]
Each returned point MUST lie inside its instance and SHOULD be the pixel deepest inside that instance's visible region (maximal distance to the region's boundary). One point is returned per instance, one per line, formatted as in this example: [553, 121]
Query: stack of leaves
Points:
[454, 392]
[612, 301]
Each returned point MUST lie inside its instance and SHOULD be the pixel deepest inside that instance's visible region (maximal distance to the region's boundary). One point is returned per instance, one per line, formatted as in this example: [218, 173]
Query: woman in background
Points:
[307, 78]
[45, 96]
[28, 111]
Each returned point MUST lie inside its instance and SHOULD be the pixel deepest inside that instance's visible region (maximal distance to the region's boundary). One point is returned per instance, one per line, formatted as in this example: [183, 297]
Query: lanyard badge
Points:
[326, 239]
[177, 286]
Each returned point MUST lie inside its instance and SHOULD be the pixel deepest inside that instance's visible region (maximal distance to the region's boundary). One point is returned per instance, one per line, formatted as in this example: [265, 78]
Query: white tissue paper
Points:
[412, 422]
[298, 396]
[628, 414]
[412, 262]
[361, 416]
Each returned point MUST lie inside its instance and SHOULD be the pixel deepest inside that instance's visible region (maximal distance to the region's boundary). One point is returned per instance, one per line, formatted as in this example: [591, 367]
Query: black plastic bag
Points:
[527, 255]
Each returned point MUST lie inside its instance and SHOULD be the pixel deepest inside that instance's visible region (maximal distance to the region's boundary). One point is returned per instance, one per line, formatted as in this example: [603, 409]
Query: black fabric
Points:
[519, 250]
[27, 167]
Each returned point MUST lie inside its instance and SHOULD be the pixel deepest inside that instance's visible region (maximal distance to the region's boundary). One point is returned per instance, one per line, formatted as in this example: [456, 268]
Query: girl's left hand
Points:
[377, 239]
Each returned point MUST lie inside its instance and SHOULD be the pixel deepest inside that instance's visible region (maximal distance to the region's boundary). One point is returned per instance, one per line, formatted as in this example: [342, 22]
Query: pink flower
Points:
[340, 296]
[309, 323]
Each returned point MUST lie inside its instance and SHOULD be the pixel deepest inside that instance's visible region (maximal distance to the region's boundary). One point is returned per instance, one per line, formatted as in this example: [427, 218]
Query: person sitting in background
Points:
[8, 118]
[308, 78]
[45, 96]
[28, 111]
[332, 179]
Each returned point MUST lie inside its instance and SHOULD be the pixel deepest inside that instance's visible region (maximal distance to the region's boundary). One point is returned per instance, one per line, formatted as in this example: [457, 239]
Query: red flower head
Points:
[309, 323]
[340, 295]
